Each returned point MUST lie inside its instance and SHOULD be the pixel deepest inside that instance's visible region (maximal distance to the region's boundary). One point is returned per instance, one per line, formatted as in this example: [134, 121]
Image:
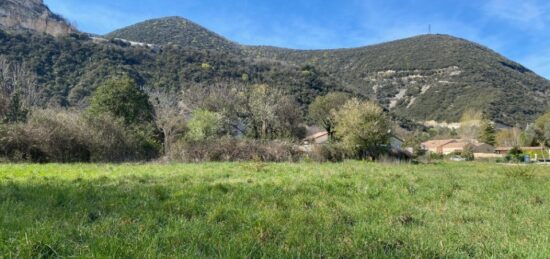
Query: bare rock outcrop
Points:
[18, 15]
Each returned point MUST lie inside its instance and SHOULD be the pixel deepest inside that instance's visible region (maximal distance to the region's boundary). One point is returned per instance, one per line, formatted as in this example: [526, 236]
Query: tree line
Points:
[224, 121]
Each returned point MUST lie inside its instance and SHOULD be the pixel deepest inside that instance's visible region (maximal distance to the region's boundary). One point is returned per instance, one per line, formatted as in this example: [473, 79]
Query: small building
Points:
[436, 146]
[322, 137]
[449, 146]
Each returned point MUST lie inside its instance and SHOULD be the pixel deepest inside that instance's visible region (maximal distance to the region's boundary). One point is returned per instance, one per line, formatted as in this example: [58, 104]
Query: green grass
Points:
[353, 209]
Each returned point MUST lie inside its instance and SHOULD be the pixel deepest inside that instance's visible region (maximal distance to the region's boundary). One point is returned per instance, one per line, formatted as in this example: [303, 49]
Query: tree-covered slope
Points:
[174, 30]
[429, 77]
[68, 69]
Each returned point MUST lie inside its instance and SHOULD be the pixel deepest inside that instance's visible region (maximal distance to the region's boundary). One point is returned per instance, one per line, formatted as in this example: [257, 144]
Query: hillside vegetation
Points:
[431, 77]
[69, 69]
[256, 210]
[428, 77]
[175, 30]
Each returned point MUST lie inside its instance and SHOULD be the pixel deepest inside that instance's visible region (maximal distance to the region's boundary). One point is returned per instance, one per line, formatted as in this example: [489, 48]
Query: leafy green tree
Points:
[121, 97]
[203, 125]
[323, 110]
[488, 132]
[363, 128]
[542, 127]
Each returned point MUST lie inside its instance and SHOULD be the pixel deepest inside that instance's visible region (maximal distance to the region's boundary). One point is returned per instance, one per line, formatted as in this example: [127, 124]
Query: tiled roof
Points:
[437, 143]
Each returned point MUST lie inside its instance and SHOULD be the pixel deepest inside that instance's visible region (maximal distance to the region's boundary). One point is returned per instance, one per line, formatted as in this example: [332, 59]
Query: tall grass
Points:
[351, 209]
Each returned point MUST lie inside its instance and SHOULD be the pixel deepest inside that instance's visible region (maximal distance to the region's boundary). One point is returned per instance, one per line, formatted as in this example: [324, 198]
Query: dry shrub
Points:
[328, 153]
[47, 136]
[64, 136]
[232, 150]
[110, 140]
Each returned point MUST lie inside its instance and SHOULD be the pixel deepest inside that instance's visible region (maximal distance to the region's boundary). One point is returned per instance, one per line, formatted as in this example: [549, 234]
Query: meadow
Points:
[254, 210]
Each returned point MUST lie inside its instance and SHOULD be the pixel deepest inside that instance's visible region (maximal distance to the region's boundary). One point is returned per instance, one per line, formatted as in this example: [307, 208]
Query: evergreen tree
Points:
[122, 98]
[488, 133]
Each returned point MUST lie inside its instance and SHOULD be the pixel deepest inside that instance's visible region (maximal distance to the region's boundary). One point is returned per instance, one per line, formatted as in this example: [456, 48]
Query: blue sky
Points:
[518, 29]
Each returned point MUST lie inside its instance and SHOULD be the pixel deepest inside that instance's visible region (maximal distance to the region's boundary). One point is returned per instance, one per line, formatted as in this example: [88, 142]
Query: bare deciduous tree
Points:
[18, 91]
[169, 115]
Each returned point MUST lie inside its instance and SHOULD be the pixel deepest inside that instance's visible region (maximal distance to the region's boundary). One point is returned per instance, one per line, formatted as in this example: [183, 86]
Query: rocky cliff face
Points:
[17, 15]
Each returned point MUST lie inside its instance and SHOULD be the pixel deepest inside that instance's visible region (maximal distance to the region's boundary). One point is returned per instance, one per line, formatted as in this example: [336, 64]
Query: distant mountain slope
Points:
[174, 30]
[17, 15]
[431, 77]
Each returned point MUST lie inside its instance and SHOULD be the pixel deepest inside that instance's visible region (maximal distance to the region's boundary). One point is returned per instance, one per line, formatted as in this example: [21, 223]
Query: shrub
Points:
[111, 141]
[468, 153]
[203, 125]
[46, 136]
[515, 155]
[228, 149]
[63, 136]
[328, 153]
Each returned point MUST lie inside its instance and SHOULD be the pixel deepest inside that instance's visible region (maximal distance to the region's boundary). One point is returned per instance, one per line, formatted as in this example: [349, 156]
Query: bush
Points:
[468, 153]
[111, 141]
[228, 149]
[47, 136]
[515, 155]
[328, 153]
[63, 136]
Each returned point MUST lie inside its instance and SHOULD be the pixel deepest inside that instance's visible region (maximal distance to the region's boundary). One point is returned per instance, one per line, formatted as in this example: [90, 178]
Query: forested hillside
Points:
[68, 69]
[175, 30]
[429, 77]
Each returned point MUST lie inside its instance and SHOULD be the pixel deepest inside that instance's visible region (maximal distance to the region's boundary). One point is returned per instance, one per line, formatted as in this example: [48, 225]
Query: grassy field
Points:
[353, 209]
